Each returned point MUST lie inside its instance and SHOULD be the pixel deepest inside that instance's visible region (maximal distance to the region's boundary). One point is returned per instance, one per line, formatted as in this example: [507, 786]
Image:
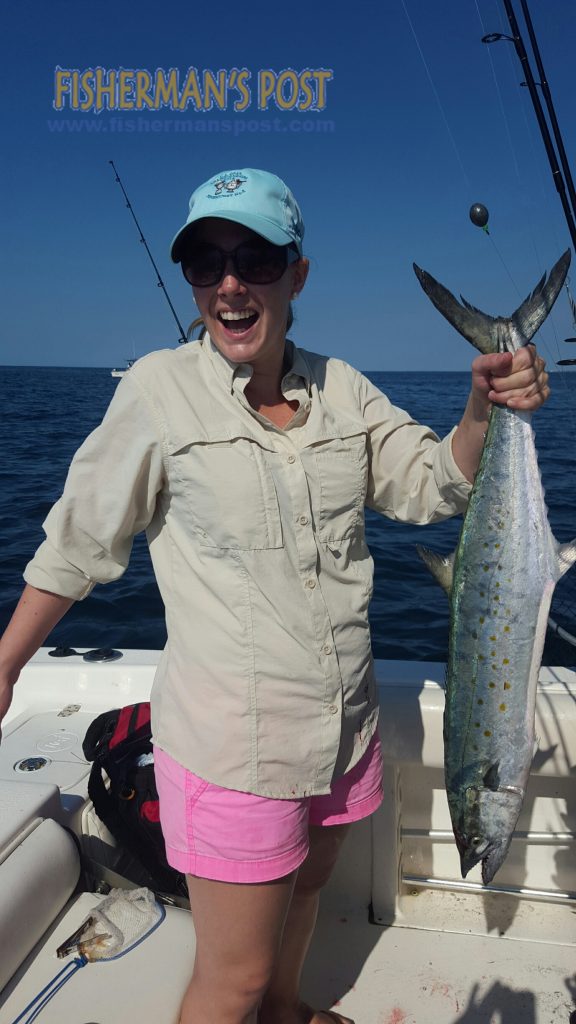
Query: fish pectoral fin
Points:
[492, 777]
[566, 556]
[441, 566]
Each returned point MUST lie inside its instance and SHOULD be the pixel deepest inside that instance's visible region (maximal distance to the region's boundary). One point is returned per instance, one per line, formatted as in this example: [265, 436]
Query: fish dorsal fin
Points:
[478, 328]
[535, 308]
[566, 556]
[492, 777]
[441, 566]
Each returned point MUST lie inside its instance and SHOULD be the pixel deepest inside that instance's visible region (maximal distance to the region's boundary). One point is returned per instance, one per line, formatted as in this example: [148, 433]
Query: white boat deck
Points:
[400, 938]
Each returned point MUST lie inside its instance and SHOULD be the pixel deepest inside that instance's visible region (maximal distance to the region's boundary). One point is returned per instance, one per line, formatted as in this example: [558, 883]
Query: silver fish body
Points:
[500, 582]
[505, 571]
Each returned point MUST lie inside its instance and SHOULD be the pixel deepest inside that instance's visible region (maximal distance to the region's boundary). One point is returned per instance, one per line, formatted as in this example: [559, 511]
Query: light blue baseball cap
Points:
[257, 199]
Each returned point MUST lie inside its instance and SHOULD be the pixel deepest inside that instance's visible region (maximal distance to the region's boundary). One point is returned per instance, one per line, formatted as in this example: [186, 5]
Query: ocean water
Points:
[47, 412]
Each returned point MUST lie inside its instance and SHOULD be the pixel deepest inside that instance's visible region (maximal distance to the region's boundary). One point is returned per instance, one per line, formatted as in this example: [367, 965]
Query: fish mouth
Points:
[472, 850]
[490, 854]
[492, 862]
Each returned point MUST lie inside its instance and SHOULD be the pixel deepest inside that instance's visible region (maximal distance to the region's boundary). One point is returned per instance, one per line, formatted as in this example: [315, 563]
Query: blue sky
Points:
[391, 182]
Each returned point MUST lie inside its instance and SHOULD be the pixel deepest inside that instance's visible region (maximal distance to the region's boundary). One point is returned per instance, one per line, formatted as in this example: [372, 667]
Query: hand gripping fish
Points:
[500, 582]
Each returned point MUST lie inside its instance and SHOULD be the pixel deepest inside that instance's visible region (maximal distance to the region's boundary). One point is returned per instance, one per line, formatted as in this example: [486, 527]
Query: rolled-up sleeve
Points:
[109, 496]
[413, 476]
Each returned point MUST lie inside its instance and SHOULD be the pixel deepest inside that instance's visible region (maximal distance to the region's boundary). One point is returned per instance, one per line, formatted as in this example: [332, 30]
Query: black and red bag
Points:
[120, 744]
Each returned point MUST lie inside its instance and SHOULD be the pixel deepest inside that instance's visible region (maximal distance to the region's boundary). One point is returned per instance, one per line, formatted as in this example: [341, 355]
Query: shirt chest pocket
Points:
[225, 491]
[342, 473]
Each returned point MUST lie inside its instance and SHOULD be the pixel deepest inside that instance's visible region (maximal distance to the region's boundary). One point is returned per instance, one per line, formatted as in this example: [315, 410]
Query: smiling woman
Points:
[246, 308]
[241, 250]
[249, 462]
[243, 286]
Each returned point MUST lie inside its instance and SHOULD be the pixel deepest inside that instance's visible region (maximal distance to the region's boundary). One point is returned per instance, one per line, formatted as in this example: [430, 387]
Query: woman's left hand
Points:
[519, 381]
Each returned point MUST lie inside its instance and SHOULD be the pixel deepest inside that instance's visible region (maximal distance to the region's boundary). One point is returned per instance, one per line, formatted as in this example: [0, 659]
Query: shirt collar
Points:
[296, 374]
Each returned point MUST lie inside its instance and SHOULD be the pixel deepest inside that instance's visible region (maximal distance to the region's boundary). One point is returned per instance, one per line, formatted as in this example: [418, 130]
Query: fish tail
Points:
[530, 316]
[484, 331]
[477, 327]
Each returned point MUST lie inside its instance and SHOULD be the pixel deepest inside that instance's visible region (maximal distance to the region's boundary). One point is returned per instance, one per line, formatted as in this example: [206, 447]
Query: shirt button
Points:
[310, 584]
[303, 520]
[332, 708]
[291, 459]
[327, 649]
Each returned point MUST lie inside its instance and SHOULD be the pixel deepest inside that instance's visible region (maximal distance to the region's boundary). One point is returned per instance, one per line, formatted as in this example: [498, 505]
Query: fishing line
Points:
[546, 197]
[509, 133]
[571, 301]
[453, 140]
[565, 594]
[500, 100]
[546, 342]
[501, 258]
[437, 98]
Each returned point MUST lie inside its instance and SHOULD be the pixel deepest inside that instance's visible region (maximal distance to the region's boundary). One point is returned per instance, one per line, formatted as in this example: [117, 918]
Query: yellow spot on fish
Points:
[492, 637]
[481, 657]
[480, 701]
[497, 584]
[494, 669]
[507, 611]
[507, 685]
[487, 732]
[502, 707]
[481, 619]
[505, 661]
[491, 685]
[485, 545]
[506, 629]
[492, 654]
[477, 725]
[496, 597]
[486, 567]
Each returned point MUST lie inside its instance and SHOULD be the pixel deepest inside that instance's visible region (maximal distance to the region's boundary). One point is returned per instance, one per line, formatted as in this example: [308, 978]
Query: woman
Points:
[249, 462]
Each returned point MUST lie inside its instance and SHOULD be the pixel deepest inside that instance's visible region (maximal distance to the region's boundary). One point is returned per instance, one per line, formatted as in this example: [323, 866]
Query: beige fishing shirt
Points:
[256, 535]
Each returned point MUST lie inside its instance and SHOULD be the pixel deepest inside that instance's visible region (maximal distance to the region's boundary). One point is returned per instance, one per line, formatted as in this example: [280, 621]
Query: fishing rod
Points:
[182, 339]
[520, 48]
[550, 106]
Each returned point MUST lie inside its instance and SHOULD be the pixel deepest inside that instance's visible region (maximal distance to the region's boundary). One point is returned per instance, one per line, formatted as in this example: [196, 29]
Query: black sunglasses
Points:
[204, 265]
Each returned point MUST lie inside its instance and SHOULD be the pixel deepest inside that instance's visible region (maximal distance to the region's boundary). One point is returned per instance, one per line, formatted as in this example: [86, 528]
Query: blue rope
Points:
[38, 1003]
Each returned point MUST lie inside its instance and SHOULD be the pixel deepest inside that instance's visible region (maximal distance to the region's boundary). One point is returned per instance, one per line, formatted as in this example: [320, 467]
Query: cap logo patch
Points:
[228, 184]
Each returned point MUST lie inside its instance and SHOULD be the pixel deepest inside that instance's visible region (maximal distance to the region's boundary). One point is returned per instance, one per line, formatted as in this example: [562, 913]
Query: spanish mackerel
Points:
[500, 582]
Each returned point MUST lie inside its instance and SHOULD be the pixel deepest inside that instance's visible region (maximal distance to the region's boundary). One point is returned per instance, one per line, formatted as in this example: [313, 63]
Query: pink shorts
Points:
[230, 836]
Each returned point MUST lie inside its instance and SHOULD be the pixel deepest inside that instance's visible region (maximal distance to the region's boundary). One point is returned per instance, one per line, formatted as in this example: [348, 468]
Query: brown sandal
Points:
[336, 1017]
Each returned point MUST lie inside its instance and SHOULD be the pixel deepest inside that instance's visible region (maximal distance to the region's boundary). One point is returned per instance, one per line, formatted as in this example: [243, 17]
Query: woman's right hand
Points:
[36, 614]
